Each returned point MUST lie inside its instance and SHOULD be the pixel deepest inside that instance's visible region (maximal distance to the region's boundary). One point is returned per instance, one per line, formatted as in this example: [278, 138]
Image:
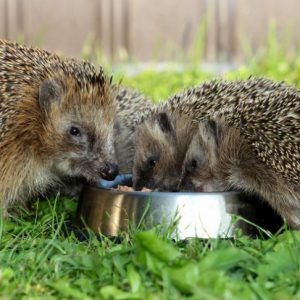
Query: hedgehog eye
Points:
[75, 131]
[151, 163]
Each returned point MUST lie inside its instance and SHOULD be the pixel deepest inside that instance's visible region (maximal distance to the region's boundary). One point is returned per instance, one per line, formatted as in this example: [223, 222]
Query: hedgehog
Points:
[164, 131]
[161, 143]
[220, 158]
[129, 105]
[56, 121]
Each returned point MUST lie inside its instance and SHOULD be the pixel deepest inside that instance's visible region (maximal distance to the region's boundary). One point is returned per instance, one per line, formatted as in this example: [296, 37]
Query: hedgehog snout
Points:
[186, 184]
[109, 171]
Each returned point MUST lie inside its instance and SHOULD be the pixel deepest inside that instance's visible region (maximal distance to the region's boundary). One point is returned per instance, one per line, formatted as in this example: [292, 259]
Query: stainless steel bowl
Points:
[203, 215]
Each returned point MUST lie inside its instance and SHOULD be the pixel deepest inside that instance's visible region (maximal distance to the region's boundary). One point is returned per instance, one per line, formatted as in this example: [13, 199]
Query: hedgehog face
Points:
[79, 135]
[158, 154]
[200, 166]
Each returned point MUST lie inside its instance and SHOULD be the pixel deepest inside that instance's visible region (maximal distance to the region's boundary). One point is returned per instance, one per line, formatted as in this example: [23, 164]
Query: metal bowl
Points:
[202, 215]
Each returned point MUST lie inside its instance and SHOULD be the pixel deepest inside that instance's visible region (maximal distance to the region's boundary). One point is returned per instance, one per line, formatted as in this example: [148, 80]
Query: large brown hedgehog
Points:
[56, 121]
[220, 158]
[165, 131]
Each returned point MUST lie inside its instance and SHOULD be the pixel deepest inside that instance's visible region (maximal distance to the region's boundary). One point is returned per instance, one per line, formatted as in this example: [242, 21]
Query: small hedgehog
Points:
[56, 121]
[129, 105]
[165, 131]
[161, 143]
[220, 158]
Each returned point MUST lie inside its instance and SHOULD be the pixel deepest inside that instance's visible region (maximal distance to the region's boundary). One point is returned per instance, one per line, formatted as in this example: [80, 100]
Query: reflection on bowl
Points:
[203, 215]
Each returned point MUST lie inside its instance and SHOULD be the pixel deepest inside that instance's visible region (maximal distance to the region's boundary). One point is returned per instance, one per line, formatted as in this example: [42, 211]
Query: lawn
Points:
[38, 260]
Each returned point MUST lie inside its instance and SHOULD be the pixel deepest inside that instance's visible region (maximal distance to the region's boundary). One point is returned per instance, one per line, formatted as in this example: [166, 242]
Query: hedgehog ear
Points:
[214, 129]
[164, 122]
[49, 92]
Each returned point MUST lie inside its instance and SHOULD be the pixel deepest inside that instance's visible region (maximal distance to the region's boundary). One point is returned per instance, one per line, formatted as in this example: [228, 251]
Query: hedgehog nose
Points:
[109, 171]
[186, 184]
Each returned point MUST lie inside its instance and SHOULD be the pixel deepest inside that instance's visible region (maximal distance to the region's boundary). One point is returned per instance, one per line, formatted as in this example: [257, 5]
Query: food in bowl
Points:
[126, 188]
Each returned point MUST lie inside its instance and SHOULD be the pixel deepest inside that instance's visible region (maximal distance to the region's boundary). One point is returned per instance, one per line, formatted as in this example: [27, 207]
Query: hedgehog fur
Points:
[130, 103]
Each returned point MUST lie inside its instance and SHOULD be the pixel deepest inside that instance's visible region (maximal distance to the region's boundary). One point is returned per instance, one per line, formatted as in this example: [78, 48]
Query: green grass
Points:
[160, 85]
[38, 261]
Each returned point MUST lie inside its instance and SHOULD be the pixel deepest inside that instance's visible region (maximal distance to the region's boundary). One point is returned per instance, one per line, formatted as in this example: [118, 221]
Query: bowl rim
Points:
[139, 193]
